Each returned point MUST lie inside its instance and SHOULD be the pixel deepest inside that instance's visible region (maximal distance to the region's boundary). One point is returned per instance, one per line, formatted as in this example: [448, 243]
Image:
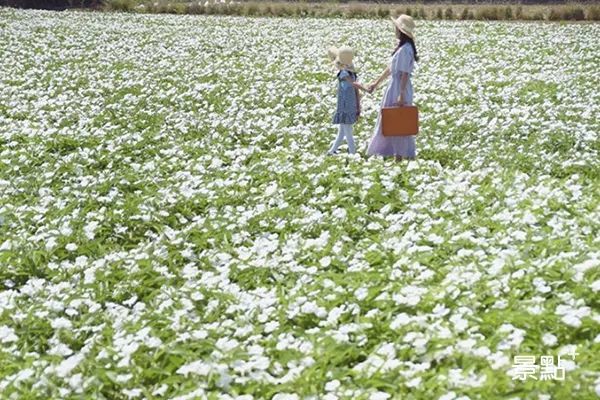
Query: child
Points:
[348, 98]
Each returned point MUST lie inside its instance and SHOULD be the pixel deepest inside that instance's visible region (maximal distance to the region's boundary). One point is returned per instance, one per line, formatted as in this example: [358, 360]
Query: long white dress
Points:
[402, 61]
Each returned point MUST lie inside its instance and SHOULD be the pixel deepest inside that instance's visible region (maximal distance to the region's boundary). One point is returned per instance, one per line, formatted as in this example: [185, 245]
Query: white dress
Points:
[402, 61]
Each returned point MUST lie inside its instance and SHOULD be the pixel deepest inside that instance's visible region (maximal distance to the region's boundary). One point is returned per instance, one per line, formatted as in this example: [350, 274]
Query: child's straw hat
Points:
[342, 57]
[405, 24]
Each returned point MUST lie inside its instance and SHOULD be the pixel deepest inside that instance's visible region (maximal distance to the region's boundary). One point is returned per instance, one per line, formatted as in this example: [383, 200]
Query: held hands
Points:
[361, 87]
[371, 87]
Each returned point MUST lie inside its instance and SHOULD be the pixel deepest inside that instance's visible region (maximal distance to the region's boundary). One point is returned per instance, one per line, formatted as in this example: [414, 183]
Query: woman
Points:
[399, 92]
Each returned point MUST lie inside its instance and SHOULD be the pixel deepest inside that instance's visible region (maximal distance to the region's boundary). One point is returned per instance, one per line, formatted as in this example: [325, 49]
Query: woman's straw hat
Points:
[342, 57]
[405, 24]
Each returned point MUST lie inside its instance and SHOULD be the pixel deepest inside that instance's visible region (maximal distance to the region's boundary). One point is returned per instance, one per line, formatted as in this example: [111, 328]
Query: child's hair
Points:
[404, 38]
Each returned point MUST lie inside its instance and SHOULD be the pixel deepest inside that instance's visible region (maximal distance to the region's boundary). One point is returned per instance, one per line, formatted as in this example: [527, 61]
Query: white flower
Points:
[61, 323]
[339, 213]
[197, 368]
[379, 396]
[51, 244]
[226, 344]
[286, 396]
[90, 230]
[123, 378]
[65, 230]
[71, 247]
[65, 367]
[7, 334]
[482, 351]
[448, 396]
[60, 349]
[361, 293]
[400, 320]
[271, 326]
[581, 268]
[325, 261]
[162, 390]
[460, 324]
[498, 360]
[332, 385]
[132, 393]
[24, 374]
[571, 320]
[415, 382]
[271, 189]
[549, 339]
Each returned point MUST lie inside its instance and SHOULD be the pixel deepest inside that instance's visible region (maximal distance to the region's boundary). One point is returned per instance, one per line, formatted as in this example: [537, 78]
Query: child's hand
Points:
[359, 86]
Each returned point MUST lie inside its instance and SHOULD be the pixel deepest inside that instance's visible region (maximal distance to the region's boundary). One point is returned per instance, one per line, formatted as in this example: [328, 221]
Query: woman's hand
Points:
[401, 100]
[371, 87]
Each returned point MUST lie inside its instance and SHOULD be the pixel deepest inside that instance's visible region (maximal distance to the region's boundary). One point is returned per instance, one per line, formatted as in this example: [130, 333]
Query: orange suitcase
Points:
[400, 121]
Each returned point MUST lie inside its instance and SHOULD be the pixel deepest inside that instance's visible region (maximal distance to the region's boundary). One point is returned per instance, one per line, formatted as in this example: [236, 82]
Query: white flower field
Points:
[171, 228]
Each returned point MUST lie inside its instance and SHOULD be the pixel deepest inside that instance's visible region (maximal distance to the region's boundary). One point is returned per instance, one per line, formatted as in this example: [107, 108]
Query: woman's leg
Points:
[350, 139]
[338, 140]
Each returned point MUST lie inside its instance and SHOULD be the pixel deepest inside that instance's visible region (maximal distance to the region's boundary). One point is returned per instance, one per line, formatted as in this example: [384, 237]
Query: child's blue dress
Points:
[347, 102]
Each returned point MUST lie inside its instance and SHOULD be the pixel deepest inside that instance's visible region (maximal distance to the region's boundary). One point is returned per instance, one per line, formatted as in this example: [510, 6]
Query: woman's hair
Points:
[404, 38]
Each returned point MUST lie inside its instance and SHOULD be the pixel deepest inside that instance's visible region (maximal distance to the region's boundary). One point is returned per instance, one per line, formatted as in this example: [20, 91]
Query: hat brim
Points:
[401, 29]
[338, 64]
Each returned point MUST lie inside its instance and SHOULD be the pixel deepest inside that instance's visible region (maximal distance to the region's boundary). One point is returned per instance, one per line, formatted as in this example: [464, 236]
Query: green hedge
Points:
[362, 10]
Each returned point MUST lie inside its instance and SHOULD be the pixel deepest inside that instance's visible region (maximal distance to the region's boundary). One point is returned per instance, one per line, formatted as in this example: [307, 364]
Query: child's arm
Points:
[355, 84]
[360, 86]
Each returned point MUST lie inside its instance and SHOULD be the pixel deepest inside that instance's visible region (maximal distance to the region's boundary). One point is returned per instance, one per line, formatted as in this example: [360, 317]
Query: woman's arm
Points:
[403, 81]
[384, 75]
[357, 102]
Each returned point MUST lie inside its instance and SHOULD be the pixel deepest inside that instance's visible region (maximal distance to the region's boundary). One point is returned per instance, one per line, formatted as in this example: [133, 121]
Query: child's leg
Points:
[350, 139]
[337, 141]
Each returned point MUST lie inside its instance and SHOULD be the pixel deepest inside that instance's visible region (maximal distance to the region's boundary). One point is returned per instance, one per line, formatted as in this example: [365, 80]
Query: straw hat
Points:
[405, 24]
[342, 57]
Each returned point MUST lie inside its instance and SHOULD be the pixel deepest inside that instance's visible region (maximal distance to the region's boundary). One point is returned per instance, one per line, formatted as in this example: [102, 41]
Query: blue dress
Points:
[347, 102]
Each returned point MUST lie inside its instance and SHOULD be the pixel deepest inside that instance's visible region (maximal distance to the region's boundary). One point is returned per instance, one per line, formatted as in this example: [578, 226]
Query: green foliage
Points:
[593, 13]
[121, 5]
[488, 13]
[449, 14]
[357, 10]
